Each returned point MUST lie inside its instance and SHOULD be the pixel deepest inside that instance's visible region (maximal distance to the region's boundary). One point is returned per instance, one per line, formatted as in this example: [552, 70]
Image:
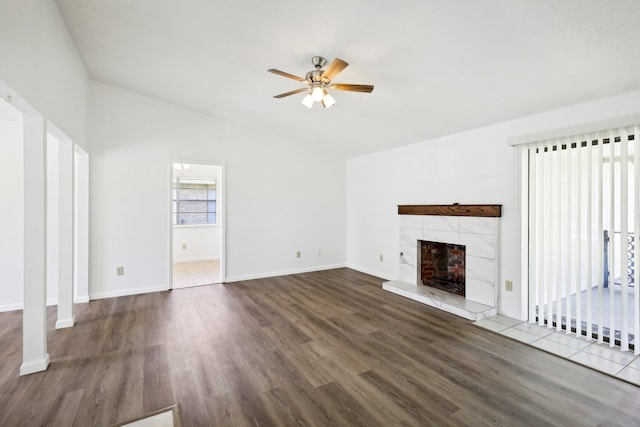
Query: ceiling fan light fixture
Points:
[181, 166]
[327, 100]
[318, 80]
[317, 92]
[307, 101]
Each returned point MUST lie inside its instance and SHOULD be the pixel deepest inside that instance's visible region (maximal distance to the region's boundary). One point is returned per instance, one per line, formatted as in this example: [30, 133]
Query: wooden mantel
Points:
[451, 210]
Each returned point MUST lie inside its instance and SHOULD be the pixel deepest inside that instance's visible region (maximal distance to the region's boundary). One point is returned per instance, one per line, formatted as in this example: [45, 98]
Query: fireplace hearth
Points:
[442, 266]
[476, 229]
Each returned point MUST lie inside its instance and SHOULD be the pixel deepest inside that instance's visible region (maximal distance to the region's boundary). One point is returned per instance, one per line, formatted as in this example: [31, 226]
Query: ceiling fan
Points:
[318, 81]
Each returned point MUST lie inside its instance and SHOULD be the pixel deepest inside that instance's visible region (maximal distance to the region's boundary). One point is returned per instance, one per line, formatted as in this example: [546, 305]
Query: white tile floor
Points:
[601, 357]
[187, 274]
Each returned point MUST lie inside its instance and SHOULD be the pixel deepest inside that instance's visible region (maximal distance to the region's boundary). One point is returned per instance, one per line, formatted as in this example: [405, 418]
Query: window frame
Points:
[176, 200]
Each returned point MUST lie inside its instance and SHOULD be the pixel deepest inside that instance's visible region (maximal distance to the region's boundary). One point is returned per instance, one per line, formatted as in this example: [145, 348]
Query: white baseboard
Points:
[183, 260]
[65, 323]
[136, 291]
[230, 279]
[11, 307]
[35, 365]
[371, 272]
[50, 302]
[127, 292]
[282, 273]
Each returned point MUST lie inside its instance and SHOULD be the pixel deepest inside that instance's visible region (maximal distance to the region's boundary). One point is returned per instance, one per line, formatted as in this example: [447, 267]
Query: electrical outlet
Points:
[381, 258]
[508, 285]
[119, 271]
[298, 254]
[184, 246]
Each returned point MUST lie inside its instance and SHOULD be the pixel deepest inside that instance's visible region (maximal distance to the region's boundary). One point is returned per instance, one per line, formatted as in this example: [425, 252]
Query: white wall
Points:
[12, 223]
[42, 71]
[280, 197]
[477, 166]
[41, 63]
[12, 208]
[202, 243]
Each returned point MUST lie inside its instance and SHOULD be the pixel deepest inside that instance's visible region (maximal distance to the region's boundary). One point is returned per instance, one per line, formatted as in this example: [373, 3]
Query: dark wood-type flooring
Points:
[329, 349]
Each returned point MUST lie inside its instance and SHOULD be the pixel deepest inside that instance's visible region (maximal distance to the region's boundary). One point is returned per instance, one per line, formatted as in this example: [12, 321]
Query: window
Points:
[194, 201]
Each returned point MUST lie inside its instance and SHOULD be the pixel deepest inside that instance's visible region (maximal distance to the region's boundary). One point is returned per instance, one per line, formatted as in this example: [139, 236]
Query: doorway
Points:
[197, 231]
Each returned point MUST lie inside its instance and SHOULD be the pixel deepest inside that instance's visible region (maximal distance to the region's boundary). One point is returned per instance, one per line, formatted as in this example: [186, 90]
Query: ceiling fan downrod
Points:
[318, 62]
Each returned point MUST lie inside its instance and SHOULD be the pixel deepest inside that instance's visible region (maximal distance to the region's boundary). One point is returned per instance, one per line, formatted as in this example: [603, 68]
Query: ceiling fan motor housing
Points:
[314, 76]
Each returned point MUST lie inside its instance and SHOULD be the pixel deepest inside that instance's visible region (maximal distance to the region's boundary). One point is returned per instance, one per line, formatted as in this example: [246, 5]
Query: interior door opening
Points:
[197, 224]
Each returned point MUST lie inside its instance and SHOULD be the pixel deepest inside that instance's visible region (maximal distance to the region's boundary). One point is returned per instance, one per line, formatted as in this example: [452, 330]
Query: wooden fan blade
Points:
[334, 68]
[283, 74]
[352, 88]
[293, 92]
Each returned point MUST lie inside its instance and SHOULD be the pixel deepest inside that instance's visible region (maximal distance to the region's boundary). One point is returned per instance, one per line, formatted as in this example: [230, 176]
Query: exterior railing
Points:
[631, 250]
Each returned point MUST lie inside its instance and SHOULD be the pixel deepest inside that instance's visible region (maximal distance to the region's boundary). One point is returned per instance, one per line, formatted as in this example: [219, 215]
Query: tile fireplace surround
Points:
[474, 226]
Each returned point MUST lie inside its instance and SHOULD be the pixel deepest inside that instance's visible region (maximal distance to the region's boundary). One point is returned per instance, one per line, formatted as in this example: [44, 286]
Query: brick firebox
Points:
[442, 266]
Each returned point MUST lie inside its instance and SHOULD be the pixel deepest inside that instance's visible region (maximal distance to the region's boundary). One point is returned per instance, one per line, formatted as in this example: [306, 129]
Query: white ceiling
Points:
[438, 66]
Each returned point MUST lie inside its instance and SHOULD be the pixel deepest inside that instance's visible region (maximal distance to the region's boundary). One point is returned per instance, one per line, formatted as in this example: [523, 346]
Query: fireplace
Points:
[473, 229]
[442, 266]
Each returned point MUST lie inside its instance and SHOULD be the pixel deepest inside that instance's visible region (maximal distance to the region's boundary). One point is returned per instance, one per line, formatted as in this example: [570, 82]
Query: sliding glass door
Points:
[584, 217]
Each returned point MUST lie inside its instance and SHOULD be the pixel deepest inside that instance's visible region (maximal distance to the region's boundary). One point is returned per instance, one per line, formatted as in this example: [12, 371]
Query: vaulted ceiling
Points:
[438, 67]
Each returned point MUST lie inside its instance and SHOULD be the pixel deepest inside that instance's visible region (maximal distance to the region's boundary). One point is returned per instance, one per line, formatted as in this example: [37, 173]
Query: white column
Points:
[34, 331]
[81, 233]
[65, 234]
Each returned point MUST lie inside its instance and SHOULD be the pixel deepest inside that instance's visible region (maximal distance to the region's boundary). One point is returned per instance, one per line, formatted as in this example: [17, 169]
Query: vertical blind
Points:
[584, 218]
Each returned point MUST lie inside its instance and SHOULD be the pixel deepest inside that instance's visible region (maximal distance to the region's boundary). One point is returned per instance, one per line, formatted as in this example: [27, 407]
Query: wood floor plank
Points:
[423, 414]
[285, 409]
[245, 396]
[158, 389]
[350, 409]
[128, 405]
[327, 348]
[304, 395]
[385, 411]
[225, 411]
[315, 369]
[187, 391]
[65, 409]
